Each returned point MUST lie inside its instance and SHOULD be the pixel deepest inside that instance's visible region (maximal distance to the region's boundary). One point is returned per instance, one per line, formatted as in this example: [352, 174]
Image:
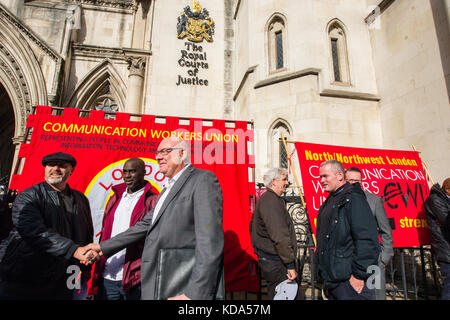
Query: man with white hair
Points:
[183, 250]
[273, 235]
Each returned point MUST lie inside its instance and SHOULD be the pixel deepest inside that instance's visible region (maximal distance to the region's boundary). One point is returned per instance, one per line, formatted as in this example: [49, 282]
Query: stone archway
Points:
[7, 128]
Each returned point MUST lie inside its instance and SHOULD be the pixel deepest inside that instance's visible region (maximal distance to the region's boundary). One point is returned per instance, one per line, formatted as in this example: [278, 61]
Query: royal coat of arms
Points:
[195, 24]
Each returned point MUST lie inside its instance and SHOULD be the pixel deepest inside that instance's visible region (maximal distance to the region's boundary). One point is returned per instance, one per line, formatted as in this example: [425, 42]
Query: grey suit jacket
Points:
[384, 228]
[191, 217]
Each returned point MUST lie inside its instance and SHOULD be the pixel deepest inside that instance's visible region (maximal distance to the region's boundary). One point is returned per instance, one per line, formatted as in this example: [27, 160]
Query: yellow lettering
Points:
[45, 126]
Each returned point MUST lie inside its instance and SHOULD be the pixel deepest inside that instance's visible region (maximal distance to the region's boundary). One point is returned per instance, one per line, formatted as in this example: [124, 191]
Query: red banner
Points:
[101, 146]
[396, 176]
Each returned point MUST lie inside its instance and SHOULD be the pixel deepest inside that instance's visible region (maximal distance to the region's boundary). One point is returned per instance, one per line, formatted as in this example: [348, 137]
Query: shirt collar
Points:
[172, 181]
[126, 194]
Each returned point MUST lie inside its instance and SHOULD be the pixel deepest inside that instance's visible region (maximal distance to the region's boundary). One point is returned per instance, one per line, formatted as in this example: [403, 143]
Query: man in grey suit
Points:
[187, 215]
[353, 175]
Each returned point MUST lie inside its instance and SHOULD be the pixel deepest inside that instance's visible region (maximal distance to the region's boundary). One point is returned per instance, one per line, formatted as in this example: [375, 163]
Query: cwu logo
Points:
[195, 24]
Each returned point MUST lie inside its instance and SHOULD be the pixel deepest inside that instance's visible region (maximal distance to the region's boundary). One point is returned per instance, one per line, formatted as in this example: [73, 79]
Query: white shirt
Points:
[122, 217]
[169, 186]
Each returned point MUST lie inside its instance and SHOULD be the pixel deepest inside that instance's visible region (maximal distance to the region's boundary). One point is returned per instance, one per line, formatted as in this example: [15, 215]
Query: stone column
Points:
[135, 86]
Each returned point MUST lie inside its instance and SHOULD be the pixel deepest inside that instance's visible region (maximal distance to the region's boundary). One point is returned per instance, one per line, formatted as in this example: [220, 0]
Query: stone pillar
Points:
[135, 86]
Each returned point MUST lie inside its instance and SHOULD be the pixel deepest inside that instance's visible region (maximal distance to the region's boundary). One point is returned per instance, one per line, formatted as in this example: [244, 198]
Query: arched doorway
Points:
[7, 123]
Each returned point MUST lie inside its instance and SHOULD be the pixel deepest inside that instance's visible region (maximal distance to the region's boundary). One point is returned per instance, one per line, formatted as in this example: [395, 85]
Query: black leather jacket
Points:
[351, 242]
[36, 247]
[437, 207]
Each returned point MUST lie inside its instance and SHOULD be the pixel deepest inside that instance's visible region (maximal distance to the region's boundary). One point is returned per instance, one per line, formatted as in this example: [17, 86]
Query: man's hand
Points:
[85, 257]
[358, 285]
[291, 275]
[88, 254]
[180, 297]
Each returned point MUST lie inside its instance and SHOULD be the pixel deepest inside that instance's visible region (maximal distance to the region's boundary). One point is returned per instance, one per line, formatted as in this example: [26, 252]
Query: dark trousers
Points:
[22, 291]
[113, 290]
[274, 272]
[345, 291]
[445, 272]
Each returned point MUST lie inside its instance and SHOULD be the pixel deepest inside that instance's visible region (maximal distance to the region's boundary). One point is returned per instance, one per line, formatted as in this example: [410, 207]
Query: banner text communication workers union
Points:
[101, 147]
[395, 176]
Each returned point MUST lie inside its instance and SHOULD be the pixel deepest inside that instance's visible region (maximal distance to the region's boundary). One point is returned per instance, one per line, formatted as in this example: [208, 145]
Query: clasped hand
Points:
[89, 254]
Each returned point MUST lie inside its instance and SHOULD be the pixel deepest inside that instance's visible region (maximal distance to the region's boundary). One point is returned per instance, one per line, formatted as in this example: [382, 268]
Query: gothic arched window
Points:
[338, 53]
[276, 34]
[277, 152]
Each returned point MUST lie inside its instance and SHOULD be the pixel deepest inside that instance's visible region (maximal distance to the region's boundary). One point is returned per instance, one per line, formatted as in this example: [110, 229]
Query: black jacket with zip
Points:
[38, 251]
[437, 207]
[350, 239]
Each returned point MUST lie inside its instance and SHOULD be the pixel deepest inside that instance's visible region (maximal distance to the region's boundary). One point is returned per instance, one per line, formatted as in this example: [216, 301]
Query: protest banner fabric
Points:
[101, 146]
[395, 176]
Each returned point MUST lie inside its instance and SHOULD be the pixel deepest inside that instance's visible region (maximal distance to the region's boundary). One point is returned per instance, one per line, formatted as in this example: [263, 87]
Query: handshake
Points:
[88, 254]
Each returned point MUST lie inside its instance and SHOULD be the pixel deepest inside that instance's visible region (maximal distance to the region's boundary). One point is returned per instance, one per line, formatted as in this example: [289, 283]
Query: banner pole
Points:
[300, 191]
[424, 166]
[293, 171]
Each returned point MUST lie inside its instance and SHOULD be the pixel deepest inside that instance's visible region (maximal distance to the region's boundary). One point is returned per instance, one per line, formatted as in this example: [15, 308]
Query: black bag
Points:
[174, 269]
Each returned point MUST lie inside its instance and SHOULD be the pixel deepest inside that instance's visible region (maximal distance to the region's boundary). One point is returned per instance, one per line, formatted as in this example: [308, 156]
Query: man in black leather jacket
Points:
[347, 237]
[40, 259]
[437, 207]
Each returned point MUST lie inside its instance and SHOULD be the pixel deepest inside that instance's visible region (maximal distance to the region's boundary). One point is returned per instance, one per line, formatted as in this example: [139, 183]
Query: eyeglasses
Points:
[353, 180]
[165, 152]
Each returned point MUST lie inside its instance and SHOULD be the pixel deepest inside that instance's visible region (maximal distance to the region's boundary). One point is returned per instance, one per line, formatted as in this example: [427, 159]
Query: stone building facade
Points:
[360, 73]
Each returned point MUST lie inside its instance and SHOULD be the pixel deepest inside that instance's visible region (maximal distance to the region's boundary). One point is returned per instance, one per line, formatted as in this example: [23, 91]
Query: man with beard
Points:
[119, 276]
[40, 259]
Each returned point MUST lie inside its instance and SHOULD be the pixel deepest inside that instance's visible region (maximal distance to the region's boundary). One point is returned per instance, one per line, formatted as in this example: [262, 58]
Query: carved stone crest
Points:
[195, 24]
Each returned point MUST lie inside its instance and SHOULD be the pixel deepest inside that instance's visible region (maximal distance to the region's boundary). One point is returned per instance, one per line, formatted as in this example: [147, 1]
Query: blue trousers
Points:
[345, 291]
[113, 290]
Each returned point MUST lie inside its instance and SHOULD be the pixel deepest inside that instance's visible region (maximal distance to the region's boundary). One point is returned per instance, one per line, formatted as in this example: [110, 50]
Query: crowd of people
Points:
[170, 246]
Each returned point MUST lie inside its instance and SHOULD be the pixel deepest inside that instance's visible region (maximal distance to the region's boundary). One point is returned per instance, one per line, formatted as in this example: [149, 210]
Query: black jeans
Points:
[274, 272]
[21, 291]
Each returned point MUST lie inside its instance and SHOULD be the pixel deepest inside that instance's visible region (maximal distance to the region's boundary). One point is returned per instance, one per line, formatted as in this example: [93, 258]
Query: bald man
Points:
[183, 251]
[118, 277]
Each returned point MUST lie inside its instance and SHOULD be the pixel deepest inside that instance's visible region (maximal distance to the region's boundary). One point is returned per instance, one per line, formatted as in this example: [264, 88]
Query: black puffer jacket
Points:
[437, 207]
[351, 242]
[37, 250]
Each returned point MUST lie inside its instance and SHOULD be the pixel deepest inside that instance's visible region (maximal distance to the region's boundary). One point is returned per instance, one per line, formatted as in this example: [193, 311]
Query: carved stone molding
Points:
[101, 53]
[83, 50]
[4, 14]
[16, 79]
[136, 65]
[117, 4]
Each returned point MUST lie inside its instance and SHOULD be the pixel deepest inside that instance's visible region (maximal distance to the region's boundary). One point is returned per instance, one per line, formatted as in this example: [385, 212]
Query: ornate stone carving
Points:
[18, 83]
[118, 4]
[136, 65]
[30, 35]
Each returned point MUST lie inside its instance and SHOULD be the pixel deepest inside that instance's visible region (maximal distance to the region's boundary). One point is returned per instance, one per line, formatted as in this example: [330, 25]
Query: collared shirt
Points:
[122, 217]
[163, 197]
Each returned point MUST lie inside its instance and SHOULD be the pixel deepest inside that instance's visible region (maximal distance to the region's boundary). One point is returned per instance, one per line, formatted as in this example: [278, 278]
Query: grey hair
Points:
[273, 173]
[180, 143]
[336, 166]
